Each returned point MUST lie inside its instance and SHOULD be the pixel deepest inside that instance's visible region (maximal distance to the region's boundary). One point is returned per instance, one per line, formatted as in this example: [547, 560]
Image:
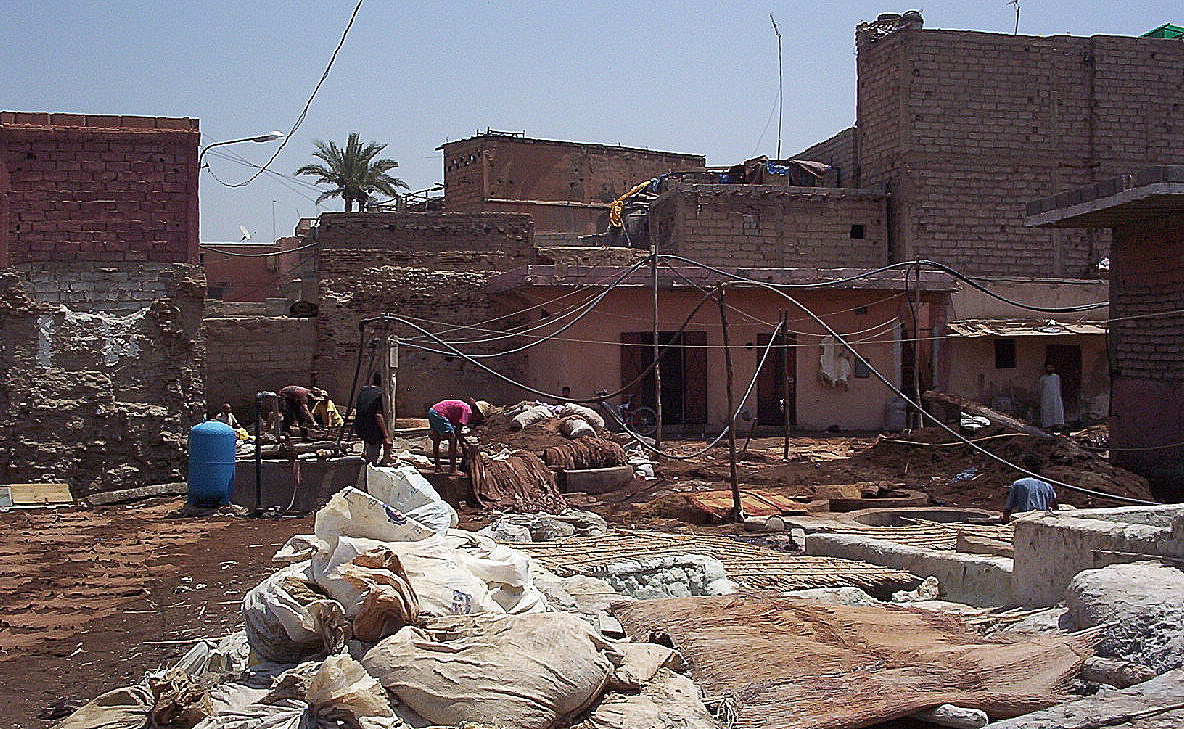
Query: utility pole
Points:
[737, 508]
[780, 83]
[389, 367]
[657, 349]
[785, 394]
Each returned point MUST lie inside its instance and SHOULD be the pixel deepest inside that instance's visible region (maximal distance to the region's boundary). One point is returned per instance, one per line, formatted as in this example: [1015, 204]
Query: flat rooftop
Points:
[1150, 193]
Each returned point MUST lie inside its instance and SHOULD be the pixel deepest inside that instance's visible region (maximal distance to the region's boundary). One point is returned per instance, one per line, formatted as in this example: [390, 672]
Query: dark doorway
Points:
[771, 383]
[1066, 360]
[684, 373]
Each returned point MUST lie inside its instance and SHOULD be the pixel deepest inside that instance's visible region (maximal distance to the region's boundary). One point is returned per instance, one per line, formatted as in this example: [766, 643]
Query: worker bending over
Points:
[1030, 493]
[447, 417]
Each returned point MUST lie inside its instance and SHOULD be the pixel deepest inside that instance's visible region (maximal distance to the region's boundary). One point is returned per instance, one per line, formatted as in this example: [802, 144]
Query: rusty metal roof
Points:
[1024, 328]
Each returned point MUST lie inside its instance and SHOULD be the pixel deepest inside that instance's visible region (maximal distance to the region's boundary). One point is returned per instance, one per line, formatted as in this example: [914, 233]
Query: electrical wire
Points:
[896, 390]
[304, 112]
[890, 267]
[215, 249]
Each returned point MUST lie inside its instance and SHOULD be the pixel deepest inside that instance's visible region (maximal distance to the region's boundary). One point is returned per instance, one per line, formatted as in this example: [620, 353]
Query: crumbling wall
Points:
[248, 354]
[434, 268]
[96, 390]
[965, 127]
[761, 226]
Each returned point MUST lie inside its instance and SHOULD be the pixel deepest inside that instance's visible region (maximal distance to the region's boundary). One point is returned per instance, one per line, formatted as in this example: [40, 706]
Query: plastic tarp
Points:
[524, 671]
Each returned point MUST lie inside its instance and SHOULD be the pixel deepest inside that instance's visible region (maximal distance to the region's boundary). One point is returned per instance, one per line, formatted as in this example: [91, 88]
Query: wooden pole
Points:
[785, 393]
[387, 366]
[737, 509]
[657, 349]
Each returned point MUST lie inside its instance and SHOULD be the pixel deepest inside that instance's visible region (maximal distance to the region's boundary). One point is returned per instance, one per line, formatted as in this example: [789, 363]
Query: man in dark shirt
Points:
[369, 423]
[295, 404]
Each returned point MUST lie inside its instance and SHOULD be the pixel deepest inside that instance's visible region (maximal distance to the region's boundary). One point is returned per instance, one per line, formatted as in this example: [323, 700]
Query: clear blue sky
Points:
[685, 76]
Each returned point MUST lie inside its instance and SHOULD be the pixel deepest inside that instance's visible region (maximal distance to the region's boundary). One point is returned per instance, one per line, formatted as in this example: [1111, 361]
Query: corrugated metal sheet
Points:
[1024, 328]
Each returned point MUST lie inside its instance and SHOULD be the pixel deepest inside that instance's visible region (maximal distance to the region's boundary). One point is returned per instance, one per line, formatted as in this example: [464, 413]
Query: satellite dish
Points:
[246, 233]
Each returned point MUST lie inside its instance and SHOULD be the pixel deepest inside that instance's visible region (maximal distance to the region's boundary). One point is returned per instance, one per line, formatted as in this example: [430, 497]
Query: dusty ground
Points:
[89, 599]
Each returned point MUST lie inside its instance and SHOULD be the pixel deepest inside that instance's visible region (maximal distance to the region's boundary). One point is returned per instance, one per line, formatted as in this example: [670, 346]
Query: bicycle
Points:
[642, 420]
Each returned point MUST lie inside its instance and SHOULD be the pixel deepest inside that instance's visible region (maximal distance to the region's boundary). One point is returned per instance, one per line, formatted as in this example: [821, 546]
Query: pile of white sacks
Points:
[387, 616]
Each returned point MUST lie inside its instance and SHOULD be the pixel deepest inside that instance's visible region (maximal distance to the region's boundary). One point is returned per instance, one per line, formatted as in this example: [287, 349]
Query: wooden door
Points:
[771, 385]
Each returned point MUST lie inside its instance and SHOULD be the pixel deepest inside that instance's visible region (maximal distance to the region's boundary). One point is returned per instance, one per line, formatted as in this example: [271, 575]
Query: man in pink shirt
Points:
[446, 418]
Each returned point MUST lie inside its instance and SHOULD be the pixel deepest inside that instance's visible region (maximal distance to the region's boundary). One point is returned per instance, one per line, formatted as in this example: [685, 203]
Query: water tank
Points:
[211, 463]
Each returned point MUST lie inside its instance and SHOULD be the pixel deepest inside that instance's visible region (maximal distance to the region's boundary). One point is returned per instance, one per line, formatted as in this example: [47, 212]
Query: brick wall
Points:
[100, 188]
[840, 153]
[759, 226]
[965, 127]
[432, 266]
[484, 168]
[1147, 268]
[246, 355]
[258, 277]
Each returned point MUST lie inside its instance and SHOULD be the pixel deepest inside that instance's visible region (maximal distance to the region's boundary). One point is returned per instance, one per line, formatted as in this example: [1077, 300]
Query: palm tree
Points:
[353, 172]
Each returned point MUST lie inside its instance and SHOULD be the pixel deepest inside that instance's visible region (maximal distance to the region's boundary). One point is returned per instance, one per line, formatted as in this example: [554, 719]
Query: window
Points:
[1005, 354]
[860, 370]
[858, 232]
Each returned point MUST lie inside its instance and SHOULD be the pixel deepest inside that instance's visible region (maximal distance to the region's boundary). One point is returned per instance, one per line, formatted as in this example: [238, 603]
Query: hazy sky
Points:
[686, 76]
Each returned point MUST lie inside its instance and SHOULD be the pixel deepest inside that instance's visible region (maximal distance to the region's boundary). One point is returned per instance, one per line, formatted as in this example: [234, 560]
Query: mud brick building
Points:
[432, 268]
[566, 187]
[1145, 211]
[962, 128]
[100, 300]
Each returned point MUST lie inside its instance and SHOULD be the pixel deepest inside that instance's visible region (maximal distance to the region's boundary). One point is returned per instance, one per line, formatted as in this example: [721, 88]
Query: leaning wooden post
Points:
[737, 510]
[785, 403]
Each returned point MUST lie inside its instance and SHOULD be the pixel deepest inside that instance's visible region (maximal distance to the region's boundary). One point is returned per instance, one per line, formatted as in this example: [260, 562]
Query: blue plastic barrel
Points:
[211, 463]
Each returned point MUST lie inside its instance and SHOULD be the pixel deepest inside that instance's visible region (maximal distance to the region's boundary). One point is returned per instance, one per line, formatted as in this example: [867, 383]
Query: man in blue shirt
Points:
[1029, 493]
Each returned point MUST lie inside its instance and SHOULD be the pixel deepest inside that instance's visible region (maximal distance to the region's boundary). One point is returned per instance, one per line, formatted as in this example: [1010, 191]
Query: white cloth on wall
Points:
[1052, 406]
[834, 364]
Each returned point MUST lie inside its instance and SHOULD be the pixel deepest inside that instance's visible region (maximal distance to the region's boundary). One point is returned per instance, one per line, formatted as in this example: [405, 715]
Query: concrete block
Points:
[973, 579]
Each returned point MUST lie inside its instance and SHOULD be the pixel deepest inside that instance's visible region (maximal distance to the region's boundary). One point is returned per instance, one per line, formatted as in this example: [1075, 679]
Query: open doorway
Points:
[1066, 360]
[772, 387]
[684, 374]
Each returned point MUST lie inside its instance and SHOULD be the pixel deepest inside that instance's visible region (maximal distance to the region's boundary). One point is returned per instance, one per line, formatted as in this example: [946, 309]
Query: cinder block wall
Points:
[839, 152]
[482, 168]
[762, 226]
[1148, 378]
[98, 188]
[430, 266]
[249, 354]
[965, 127]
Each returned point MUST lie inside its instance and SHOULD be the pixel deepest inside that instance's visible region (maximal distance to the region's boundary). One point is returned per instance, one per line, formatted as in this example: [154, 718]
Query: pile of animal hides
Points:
[387, 616]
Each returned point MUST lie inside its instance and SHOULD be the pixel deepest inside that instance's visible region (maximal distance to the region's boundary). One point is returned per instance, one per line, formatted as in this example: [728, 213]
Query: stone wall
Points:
[432, 267]
[249, 354]
[1147, 268]
[97, 188]
[95, 389]
[965, 127]
[762, 226]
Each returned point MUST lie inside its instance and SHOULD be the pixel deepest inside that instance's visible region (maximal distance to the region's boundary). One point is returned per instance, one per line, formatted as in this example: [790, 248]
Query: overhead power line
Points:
[303, 112]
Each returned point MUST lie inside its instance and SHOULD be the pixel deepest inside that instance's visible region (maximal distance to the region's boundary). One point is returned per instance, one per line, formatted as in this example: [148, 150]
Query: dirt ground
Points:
[91, 599]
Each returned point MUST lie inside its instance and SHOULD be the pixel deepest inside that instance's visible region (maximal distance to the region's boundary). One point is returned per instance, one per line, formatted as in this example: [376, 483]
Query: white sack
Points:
[671, 701]
[525, 671]
[583, 412]
[121, 708]
[354, 513]
[287, 618]
[575, 428]
[529, 416]
[405, 489]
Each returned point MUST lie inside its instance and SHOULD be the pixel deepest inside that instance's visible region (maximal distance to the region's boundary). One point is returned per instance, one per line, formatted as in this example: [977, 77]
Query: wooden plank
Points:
[39, 494]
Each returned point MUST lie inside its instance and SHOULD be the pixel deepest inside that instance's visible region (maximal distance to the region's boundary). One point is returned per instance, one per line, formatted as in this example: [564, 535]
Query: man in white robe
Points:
[1052, 406]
